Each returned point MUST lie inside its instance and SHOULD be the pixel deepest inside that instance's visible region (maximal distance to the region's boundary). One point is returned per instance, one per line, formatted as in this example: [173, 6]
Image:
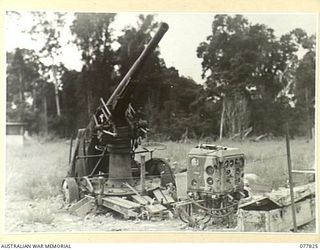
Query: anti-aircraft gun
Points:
[103, 169]
[102, 164]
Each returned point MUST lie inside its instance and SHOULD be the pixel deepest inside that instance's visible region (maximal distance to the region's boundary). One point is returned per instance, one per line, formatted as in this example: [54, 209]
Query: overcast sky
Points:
[178, 46]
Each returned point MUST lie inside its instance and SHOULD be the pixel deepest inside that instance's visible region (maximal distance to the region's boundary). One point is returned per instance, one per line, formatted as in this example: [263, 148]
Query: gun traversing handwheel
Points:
[70, 190]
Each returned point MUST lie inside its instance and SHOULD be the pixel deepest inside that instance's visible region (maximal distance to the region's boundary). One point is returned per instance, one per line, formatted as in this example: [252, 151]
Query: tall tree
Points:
[93, 37]
[220, 58]
[48, 28]
[70, 100]
[132, 43]
[299, 80]
[305, 80]
[151, 76]
[27, 90]
[22, 72]
[164, 95]
[241, 63]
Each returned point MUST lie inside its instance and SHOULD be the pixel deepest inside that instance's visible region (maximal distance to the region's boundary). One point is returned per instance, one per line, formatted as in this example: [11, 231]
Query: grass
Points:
[35, 171]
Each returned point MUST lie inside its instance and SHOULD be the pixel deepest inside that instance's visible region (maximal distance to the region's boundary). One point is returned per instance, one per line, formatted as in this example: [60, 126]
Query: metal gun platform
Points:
[127, 200]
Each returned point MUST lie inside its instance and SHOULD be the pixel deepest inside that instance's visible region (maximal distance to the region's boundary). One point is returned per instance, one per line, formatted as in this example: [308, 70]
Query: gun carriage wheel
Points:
[70, 190]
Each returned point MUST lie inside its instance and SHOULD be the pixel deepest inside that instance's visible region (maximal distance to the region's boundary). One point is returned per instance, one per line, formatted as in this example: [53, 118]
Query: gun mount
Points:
[102, 163]
[108, 144]
[103, 170]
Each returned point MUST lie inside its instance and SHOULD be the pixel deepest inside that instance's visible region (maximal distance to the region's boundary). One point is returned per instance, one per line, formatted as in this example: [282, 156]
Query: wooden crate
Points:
[273, 213]
[276, 220]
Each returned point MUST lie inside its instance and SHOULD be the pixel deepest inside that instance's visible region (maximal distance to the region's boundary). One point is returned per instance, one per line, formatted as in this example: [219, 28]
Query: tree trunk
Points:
[309, 129]
[56, 90]
[57, 101]
[233, 125]
[45, 115]
[89, 100]
[222, 117]
[34, 97]
[21, 89]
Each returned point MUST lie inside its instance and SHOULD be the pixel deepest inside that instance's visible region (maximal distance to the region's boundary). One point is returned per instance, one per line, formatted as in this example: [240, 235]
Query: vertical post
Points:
[143, 173]
[101, 184]
[290, 179]
[70, 149]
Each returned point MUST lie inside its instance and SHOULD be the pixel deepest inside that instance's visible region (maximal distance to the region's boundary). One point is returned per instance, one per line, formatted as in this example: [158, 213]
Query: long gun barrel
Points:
[114, 129]
[119, 100]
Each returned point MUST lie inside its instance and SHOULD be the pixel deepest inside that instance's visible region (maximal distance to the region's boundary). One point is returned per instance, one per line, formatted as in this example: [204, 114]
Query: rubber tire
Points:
[70, 190]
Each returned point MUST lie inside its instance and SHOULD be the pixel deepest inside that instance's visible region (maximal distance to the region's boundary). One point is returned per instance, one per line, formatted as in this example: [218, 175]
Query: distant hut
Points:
[15, 133]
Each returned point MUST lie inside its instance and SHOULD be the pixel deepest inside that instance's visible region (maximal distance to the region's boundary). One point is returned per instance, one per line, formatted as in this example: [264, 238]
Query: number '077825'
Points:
[309, 246]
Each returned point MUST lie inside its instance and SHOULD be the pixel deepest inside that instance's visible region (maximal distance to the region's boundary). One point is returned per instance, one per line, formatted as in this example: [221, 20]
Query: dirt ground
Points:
[23, 216]
[62, 221]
